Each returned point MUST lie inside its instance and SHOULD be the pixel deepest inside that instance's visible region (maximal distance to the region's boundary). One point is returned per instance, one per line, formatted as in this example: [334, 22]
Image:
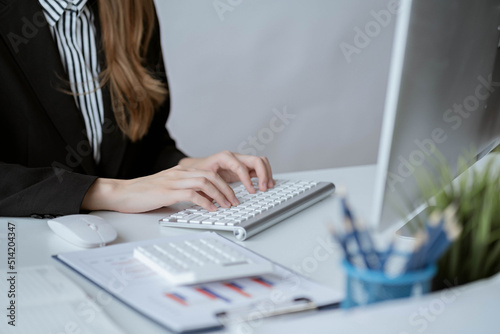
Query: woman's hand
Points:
[197, 180]
[165, 188]
[235, 167]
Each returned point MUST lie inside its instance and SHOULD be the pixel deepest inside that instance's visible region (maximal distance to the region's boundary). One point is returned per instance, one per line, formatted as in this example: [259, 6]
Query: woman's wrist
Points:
[101, 195]
[187, 162]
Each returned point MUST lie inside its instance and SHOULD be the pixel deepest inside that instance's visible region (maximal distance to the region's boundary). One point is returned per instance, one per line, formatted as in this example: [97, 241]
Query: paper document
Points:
[49, 302]
[195, 307]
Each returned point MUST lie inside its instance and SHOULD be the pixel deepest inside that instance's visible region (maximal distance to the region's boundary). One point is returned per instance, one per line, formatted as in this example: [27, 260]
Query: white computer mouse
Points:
[83, 230]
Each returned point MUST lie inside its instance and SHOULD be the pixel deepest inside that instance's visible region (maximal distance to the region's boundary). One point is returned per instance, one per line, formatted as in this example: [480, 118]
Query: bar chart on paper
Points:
[227, 292]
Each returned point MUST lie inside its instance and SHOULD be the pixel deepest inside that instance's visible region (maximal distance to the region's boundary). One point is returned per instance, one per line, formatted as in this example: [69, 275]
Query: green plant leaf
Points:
[476, 253]
[493, 258]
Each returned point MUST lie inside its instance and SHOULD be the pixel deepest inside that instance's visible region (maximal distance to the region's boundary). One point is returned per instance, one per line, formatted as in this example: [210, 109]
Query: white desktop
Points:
[302, 242]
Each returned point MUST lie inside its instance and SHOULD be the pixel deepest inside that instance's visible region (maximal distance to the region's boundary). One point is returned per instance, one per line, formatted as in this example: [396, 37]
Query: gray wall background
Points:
[233, 65]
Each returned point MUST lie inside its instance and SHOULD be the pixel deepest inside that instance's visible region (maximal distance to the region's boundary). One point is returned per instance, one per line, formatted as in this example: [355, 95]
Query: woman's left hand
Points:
[234, 167]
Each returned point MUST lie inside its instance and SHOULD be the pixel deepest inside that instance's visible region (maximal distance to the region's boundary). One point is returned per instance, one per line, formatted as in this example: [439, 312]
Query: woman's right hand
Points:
[165, 188]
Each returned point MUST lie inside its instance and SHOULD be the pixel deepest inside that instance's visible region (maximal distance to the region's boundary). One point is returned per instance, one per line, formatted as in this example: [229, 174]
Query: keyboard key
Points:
[209, 221]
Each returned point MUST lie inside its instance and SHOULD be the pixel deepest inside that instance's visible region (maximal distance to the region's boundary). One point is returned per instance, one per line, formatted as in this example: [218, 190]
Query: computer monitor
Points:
[441, 97]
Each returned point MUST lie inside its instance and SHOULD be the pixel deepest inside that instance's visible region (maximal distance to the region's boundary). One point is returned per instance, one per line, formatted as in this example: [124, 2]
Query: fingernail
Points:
[213, 207]
[236, 201]
[270, 183]
[227, 203]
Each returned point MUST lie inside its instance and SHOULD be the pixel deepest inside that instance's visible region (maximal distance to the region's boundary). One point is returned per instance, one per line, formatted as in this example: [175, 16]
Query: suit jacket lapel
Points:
[24, 29]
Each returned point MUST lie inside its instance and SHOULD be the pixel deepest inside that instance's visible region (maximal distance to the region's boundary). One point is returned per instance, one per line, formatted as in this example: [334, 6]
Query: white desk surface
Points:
[301, 242]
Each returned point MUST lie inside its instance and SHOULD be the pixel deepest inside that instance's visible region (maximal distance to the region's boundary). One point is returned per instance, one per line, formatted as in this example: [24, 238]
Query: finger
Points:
[223, 187]
[257, 164]
[201, 183]
[206, 196]
[230, 162]
[194, 197]
[217, 181]
[271, 182]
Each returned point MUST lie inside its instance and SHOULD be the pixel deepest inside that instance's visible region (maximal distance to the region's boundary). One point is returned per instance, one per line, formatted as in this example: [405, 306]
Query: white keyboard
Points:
[199, 260]
[256, 212]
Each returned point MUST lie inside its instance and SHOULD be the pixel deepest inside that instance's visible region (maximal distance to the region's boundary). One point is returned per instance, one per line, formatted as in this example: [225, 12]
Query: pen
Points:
[417, 258]
[363, 240]
[367, 245]
[345, 207]
[397, 259]
[450, 232]
[434, 228]
[358, 259]
[434, 225]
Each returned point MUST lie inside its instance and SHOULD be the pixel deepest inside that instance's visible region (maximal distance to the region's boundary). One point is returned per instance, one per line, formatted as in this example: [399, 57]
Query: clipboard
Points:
[210, 306]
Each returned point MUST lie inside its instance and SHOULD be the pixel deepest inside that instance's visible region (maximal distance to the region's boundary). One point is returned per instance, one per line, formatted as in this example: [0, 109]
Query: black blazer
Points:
[46, 164]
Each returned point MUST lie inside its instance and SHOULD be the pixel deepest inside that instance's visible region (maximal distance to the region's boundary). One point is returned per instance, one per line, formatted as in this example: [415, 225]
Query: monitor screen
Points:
[441, 97]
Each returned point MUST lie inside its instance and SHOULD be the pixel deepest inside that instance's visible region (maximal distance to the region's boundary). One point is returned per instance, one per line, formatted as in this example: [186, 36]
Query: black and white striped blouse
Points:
[73, 29]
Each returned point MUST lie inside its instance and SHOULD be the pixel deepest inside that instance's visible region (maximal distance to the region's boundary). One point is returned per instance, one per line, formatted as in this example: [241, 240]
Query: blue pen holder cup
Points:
[368, 286]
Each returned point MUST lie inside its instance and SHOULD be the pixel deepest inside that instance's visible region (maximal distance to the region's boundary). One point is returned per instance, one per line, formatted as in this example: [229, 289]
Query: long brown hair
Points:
[127, 27]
